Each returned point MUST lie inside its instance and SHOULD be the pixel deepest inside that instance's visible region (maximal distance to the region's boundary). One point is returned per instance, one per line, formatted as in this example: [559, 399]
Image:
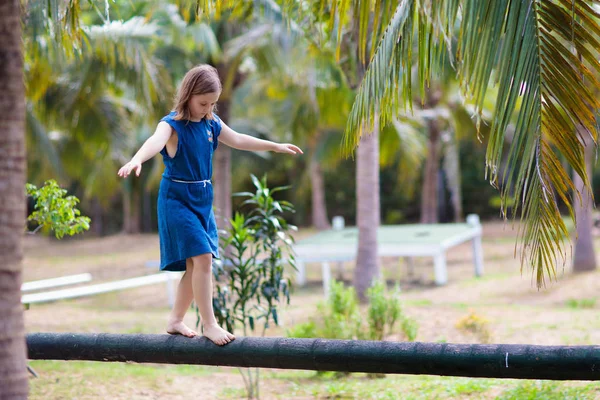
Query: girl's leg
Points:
[183, 300]
[202, 286]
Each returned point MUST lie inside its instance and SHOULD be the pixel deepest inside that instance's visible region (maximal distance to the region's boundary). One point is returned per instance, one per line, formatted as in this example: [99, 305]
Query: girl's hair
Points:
[201, 79]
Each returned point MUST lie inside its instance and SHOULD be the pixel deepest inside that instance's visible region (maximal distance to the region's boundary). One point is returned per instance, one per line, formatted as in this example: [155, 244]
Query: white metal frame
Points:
[327, 253]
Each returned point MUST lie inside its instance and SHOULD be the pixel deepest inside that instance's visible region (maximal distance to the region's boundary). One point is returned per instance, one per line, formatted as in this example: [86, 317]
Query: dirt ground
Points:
[517, 311]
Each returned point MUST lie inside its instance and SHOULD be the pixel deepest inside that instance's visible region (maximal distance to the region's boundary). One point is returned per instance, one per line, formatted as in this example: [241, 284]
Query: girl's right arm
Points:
[149, 149]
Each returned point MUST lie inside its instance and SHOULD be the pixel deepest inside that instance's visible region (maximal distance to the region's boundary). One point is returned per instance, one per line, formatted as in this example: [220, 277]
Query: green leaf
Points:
[532, 44]
[386, 84]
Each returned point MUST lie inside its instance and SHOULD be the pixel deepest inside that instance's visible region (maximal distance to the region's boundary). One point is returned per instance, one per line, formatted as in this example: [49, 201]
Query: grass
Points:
[581, 303]
[76, 379]
[544, 390]
[418, 302]
[408, 387]
[519, 313]
[83, 379]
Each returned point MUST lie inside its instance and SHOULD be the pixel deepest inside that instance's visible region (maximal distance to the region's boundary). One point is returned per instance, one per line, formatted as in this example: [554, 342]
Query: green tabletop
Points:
[422, 234]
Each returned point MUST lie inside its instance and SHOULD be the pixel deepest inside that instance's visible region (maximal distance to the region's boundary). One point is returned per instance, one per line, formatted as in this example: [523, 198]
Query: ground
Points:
[564, 312]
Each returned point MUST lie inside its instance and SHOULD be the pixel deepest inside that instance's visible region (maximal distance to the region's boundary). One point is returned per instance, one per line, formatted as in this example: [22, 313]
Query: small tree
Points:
[54, 211]
[251, 281]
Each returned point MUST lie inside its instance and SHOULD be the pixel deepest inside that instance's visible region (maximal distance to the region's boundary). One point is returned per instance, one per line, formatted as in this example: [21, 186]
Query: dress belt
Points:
[204, 181]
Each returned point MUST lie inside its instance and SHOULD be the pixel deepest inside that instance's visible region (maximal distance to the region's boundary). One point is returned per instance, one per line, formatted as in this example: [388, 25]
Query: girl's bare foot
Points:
[179, 328]
[217, 334]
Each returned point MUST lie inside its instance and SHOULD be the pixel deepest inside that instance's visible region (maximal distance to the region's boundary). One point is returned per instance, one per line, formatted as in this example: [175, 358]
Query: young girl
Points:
[187, 138]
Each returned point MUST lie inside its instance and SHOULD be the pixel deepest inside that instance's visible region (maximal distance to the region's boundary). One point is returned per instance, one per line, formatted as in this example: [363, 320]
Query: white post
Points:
[326, 278]
[439, 268]
[473, 220]
[300, 273]
[338, 223]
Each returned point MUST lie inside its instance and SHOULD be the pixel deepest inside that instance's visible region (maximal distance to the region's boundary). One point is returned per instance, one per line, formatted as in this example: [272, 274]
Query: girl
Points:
[187, 138]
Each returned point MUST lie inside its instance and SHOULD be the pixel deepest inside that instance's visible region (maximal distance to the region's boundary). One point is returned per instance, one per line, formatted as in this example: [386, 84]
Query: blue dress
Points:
[186, 222]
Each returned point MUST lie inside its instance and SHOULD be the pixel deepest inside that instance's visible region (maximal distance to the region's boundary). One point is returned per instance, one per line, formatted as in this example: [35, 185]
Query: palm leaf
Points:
[546, 55]
[119, 52]
[386, 85]
[40, 138]
[404, 142]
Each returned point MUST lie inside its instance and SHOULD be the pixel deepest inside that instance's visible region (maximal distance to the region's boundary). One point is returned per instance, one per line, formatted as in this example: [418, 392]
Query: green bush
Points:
[340, 317]
[54, 211]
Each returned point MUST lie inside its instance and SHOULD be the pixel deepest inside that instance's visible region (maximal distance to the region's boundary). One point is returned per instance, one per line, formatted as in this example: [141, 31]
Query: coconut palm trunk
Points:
[431, 174]
[429, 194]
[13, 367]
[131, 208]
[319, 207]
[452, 169]
[367, 211]
[584, 255]
[222, 175]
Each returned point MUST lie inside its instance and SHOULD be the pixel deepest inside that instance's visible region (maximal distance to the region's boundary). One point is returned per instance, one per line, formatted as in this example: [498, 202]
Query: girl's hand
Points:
[130, 166]
[288, 148]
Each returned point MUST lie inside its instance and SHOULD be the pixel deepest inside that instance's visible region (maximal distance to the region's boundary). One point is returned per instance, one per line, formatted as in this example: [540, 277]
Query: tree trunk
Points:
[222, 175]
[319, 207]
[97, 212]
[135, 224]
[452, 168]
[367, 212]
[146, 220]
[13, 361]
[131, 206]
[584, 258]
[127, 208]
[429, 198]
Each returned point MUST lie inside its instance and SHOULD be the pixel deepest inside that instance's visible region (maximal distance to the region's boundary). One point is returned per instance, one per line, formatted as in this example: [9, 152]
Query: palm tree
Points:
[12, 196]
[304, 97]
[422, 138]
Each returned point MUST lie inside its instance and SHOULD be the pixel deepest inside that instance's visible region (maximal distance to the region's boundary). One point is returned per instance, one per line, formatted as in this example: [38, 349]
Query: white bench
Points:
[106, 287]
[55, 282]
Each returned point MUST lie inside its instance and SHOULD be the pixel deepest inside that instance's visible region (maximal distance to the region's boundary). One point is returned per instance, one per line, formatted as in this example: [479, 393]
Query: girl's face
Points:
[202, 104]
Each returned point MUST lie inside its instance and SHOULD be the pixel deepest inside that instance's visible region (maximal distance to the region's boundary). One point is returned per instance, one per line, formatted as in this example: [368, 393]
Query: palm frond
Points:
[405, 142]
[57, 20]
[545, 54]
[255, 37]
[386, 85]
[206, 41]
[44, 146]
[119, 53]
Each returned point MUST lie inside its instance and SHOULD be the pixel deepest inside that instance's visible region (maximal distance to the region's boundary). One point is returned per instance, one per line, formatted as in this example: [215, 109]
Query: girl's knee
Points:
[203, 262]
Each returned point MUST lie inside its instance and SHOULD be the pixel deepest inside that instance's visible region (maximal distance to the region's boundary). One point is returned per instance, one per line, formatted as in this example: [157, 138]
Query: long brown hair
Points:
[201, 79]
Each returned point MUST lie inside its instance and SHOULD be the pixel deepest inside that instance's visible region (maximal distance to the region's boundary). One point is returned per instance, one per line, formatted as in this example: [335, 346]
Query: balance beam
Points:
[470, 360]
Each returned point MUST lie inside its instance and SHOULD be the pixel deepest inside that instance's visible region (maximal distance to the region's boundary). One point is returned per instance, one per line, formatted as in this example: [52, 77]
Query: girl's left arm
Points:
[242, 141]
